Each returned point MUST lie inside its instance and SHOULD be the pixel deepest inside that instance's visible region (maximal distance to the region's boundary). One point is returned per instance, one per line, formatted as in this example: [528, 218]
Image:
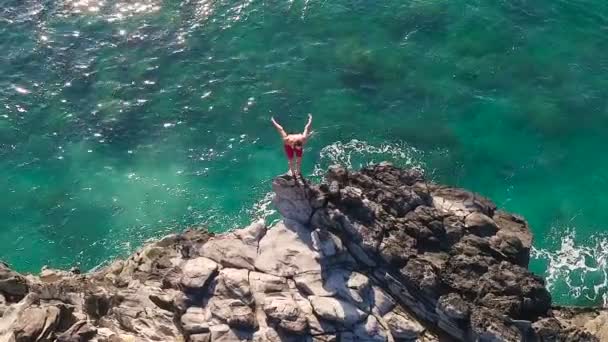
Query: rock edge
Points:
[377, 255]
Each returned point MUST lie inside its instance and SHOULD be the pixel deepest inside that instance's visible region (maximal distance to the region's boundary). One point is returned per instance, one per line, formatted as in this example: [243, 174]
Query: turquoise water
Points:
[122, 121]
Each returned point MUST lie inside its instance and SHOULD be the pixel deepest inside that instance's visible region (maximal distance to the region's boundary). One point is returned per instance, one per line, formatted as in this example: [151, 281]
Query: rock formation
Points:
[378, 255]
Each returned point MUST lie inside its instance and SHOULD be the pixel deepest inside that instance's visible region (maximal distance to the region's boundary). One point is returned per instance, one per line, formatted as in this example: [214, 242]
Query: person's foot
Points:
[292, 174]
[299, 175]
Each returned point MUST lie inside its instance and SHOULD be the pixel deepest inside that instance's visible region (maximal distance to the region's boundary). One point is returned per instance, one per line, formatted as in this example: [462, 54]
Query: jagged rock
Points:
[338, 311]
[421, 275]
[234, 283]
[252, 234]
[229, 251]
[454, 307]
[359, 254]
[383, 303]
[196, 272]
[79, 332]
[480, 224]
[48, 275]
[370, 331]
[317, 326]
[133, 312]
[291, 201]
[453, 312]
[506, 278]
[514, 229]
[398, 247]
[548, 329]
[598, 326]
[36, 324]
[509, 305]
[285, 312]
[169, 300]
[267, 335]
[402, 326]
[205, 337]
[461, 202]
[351, 286]
[2, 305]
[11, 283]
[377, 255]
[232, 312]
[272, 335]
[463, 272]
[97, 304]
[359, 289]
[274, 258]
[194, 321]
[509, 246]
[326, 243]
[454, 230]
[487, 325]
[314, 284]
[236, 249]
[266, 283]
[223, 333]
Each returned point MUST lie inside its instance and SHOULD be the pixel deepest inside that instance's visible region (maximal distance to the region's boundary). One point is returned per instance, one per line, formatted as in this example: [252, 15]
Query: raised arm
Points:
[307, 130]
[278, 127]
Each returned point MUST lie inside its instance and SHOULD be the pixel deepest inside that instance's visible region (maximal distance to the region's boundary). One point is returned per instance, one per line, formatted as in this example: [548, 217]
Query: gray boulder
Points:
[197, 272]
[232, 312]
[36, 324]
[338, 311]
[195, 321]
[283, 310]
[79, 332]
[402, 326]
[286, 250]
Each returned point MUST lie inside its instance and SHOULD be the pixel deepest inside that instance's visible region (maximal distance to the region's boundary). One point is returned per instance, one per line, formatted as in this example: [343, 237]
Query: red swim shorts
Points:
[290, 151]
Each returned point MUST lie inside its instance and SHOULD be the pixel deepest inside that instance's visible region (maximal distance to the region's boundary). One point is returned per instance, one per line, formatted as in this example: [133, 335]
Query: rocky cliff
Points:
[376, 255]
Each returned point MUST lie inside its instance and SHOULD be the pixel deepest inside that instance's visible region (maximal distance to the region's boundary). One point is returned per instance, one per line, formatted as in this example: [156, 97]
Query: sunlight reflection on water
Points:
[117, 11]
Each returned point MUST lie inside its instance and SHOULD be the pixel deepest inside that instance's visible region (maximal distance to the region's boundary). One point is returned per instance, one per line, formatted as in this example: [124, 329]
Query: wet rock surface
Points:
[376, 255]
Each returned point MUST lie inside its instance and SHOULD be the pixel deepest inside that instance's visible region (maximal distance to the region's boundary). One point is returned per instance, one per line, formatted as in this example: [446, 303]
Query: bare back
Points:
[294, 139]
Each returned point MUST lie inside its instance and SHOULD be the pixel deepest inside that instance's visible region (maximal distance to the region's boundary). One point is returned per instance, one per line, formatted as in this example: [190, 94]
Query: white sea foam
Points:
[582, 268]
[263, 208]
[356, 154]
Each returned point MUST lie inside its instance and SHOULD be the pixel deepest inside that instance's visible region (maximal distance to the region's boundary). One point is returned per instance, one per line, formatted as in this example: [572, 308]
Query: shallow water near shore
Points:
[122, 121]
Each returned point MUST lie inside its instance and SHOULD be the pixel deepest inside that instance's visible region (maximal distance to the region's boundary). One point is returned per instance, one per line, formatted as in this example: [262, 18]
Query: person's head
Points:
[298, 143]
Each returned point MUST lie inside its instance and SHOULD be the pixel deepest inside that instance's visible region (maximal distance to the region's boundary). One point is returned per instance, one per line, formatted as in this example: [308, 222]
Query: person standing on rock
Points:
[294, 145]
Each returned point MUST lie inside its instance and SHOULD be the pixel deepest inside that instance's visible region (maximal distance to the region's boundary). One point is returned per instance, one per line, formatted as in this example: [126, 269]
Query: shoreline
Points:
[376, 255]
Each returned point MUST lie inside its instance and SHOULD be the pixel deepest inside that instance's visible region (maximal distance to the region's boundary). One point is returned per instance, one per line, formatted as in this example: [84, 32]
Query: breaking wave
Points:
[575, 270]
[263, 209]
[356, 154]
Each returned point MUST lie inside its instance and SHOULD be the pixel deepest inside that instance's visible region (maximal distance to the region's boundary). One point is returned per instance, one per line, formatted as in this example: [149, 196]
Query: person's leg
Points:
[299, 166]
[292, 168]
[299, 153]
[290, 154]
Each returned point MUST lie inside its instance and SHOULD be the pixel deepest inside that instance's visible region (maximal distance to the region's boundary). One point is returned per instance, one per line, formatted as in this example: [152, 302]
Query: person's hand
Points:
[309, 116]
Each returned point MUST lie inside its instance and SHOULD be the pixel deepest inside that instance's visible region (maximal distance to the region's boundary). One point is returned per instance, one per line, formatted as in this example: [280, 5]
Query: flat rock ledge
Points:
[378, 255]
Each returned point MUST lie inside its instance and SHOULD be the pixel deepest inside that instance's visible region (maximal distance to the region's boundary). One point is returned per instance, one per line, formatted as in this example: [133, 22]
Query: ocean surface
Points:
[124, 120]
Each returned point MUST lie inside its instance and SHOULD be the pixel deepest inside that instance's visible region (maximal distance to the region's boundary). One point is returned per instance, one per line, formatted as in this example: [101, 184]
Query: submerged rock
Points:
[376, 255]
